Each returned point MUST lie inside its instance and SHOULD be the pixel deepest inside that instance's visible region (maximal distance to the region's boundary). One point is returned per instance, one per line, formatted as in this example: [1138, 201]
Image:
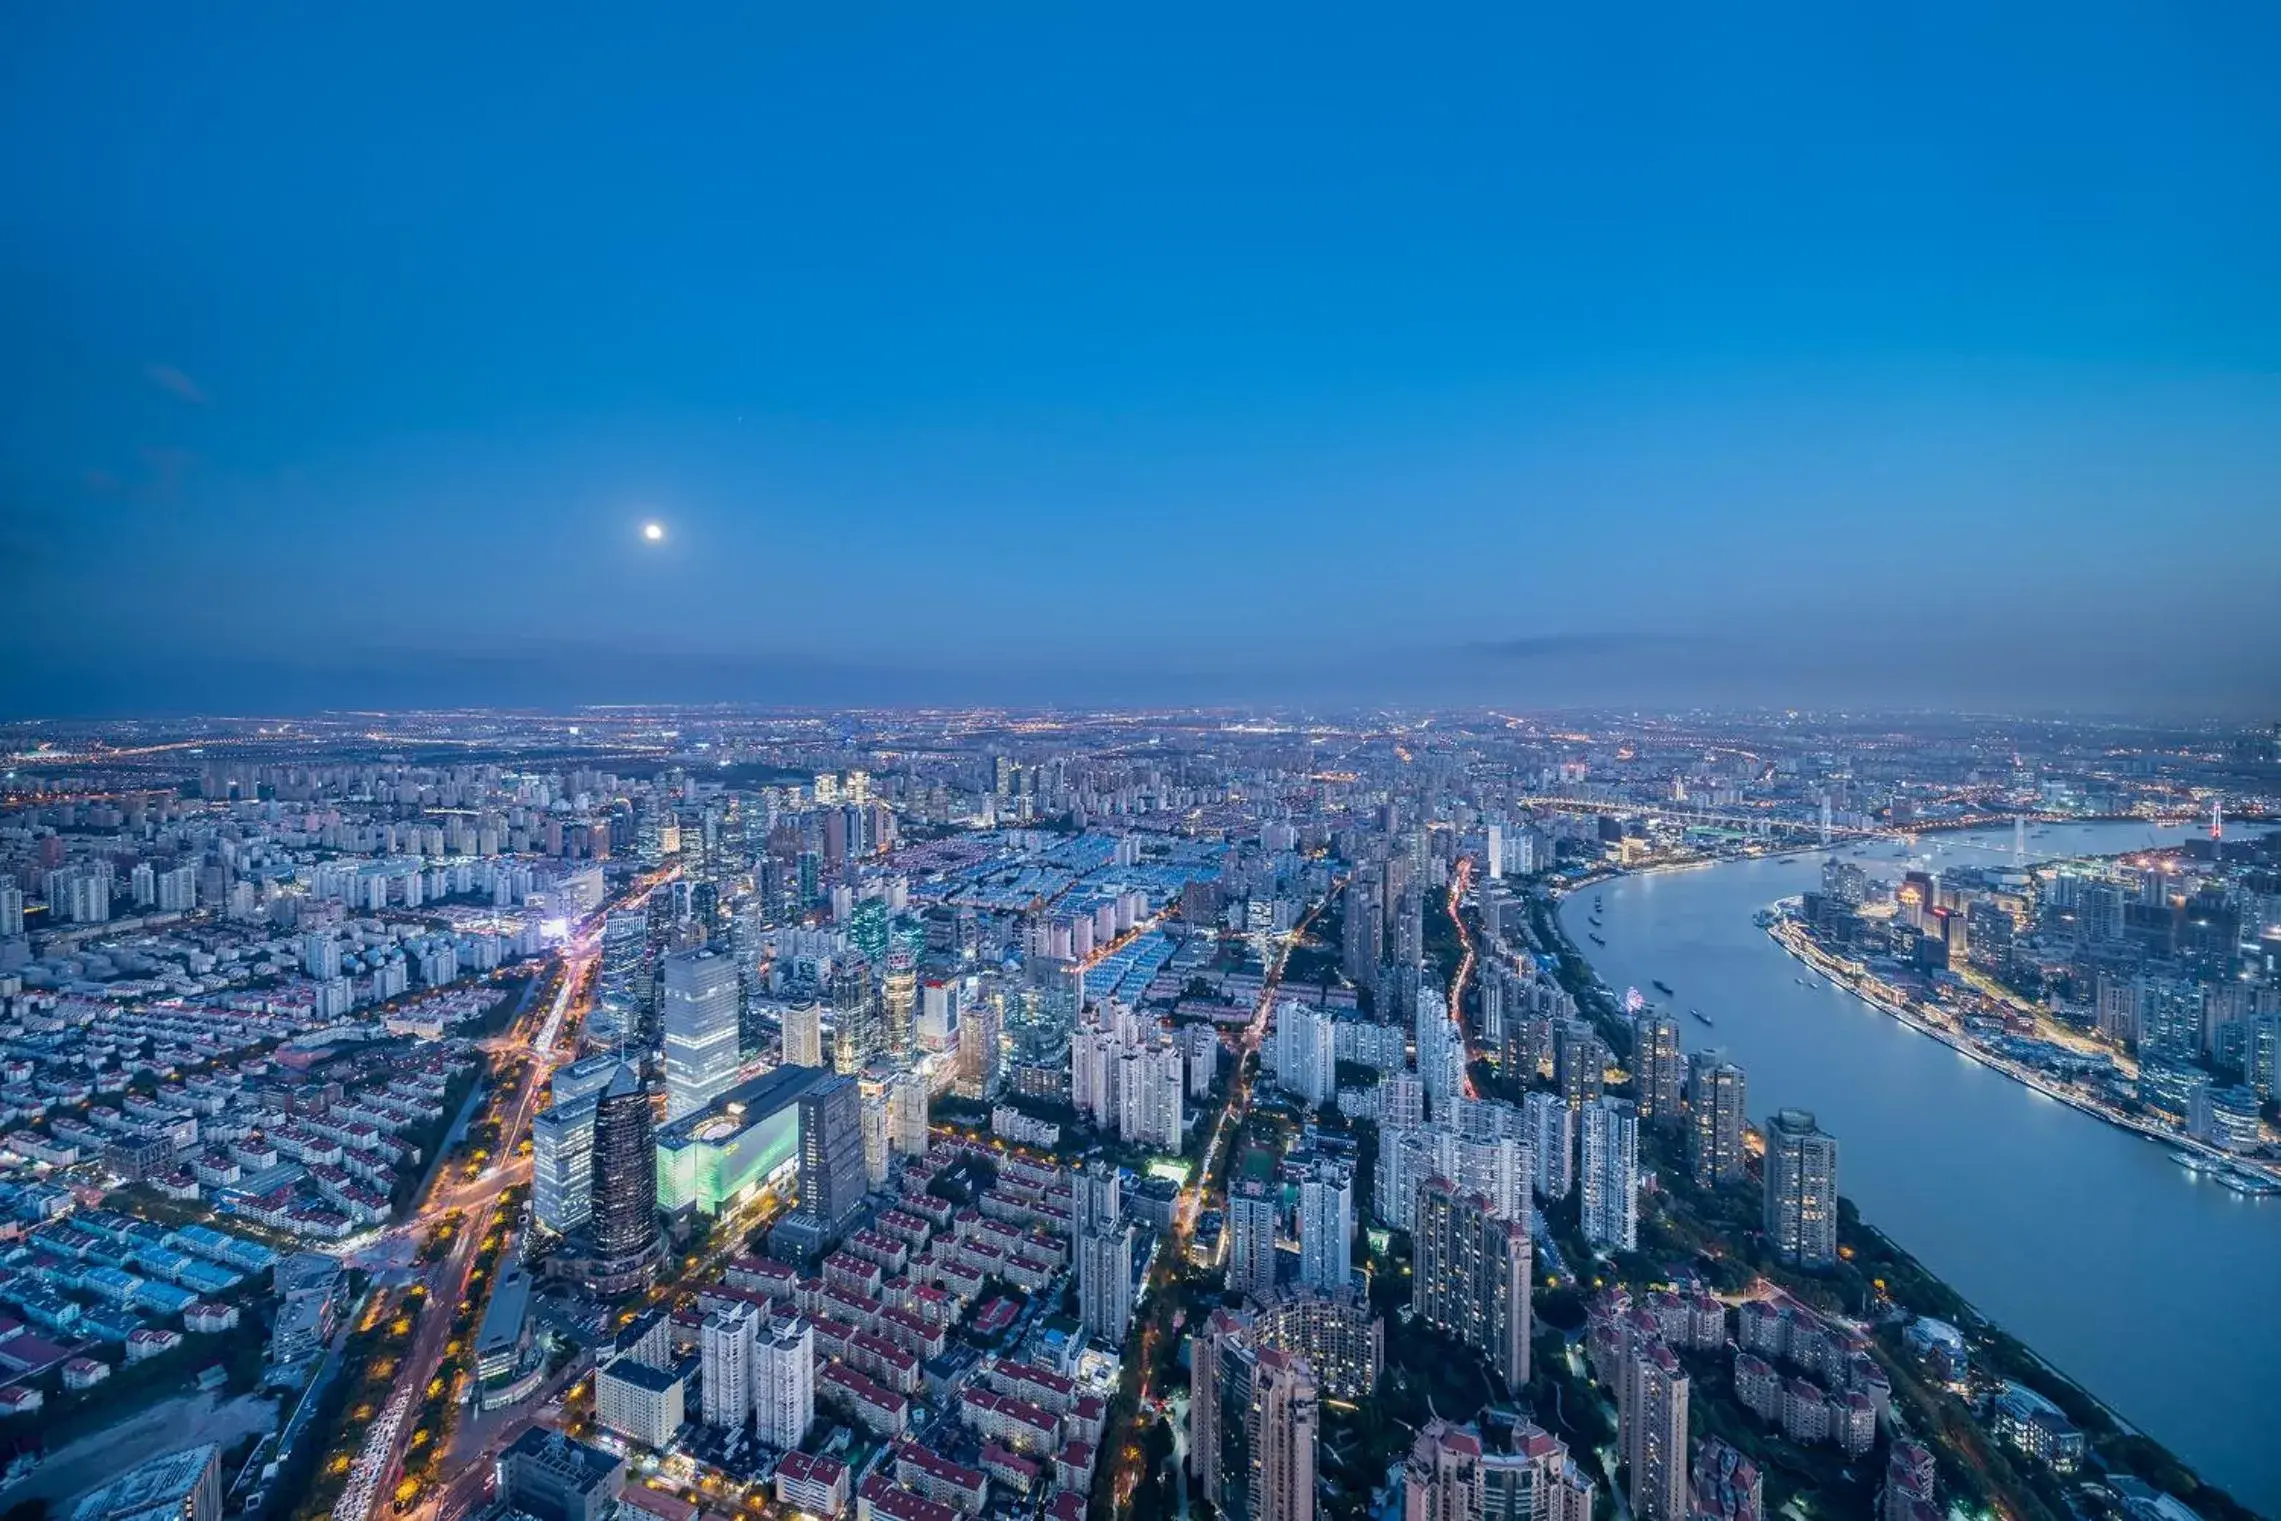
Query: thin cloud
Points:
[167, 378]
[1551, 646]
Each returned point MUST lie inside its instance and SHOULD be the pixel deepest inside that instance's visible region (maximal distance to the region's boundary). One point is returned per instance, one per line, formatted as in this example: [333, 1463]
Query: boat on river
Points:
[1661, 987]
[1699, 1014]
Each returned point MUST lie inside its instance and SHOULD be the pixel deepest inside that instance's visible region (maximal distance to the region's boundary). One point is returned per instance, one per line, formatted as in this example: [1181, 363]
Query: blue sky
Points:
[1765, 354]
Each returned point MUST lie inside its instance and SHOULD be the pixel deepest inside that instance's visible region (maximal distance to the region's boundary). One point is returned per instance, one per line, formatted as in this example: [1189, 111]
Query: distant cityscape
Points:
[701, 1113]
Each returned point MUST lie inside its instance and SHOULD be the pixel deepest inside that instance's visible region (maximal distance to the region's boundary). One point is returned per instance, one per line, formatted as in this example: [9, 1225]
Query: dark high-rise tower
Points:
[625, 1173]
[832, 1179]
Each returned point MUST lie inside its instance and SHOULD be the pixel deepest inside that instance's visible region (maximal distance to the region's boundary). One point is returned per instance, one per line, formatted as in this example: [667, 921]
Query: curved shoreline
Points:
[1786, 933]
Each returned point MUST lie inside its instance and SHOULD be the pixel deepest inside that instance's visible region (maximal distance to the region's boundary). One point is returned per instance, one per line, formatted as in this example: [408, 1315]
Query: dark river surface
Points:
[2157, 1291]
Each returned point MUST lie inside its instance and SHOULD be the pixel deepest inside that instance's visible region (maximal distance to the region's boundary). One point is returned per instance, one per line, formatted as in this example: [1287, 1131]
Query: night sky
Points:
[1925, 355]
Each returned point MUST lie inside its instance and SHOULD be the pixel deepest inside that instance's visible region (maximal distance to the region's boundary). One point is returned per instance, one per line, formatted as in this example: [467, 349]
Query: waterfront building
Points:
[1656, 1068]
[1717, 1094]
[1579, 1063]
[1801, 1190]
[1609, 1174]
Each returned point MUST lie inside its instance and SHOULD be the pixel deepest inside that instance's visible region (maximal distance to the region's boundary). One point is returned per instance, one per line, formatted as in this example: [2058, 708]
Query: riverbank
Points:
[2125, 1443]
[1863, 984]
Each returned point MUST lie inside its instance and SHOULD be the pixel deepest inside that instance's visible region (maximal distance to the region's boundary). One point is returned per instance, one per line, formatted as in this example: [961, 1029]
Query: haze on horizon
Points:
[1768, 356]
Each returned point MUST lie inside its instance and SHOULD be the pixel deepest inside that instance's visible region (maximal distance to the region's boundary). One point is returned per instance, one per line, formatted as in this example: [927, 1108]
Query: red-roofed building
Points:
[938, 1478]
[656, 1502]
[889, 1501]
[812, 1485]
[879, 1410]
[1017, 1423]
[1010, 1468]
[1027, 1381]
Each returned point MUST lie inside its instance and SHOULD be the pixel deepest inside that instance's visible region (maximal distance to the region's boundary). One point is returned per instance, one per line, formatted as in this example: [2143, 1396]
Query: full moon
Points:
[653, 531]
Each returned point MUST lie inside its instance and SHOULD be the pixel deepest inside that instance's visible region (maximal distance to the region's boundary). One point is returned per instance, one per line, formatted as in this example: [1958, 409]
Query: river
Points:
[2158, 1292]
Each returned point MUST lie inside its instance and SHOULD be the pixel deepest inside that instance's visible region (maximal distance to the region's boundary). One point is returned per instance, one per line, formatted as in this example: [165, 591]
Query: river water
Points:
[2157, 1291]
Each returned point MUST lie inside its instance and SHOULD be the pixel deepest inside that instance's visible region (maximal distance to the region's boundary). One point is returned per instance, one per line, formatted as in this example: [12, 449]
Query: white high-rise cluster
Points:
[1129, 1080]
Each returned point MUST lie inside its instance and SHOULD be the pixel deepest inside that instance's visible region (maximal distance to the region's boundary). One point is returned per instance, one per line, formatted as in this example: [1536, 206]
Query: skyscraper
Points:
[1652, 1430]
[907, 1114]
[1097, 1197]
[979, 1056]
[1469, 1276]
[1717, 1095]
[1105, 1282]
[1326, 1227]
[1251, 1240]
[1497, 1168]
[1656, 1068]
[1306, 1056]
[899, 1000]
[1401, 1101]
[804, 1034]
[700, 1020]
[1360, 933]
[1609, 1174]
[1551, 1127]
[855, 1014]
[625, 1171]
[832, 1179]
[783, 1383]
[1579, 1062]
[725, 1347]
[1801, 1190]
[1285, 1432]
[1252, 1424]
[562, 1166]
[623, 988]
